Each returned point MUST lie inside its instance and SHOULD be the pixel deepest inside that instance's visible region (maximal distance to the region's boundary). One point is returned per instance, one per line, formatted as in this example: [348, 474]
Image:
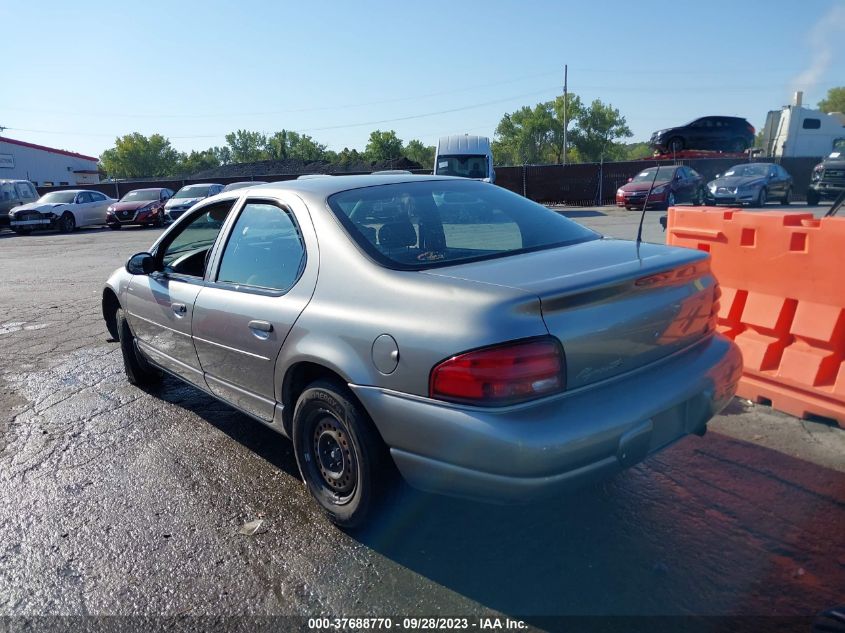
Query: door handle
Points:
[261, 326]
[179, 308]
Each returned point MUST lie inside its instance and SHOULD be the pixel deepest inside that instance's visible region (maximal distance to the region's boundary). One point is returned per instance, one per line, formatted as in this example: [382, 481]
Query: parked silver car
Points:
[479, 343]
[187, 197]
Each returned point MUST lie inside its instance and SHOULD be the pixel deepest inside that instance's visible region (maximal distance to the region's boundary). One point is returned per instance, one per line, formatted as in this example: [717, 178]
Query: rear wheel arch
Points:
[297, 378]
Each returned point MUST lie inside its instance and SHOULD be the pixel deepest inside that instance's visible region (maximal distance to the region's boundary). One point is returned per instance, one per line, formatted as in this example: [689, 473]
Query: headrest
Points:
[397, 235]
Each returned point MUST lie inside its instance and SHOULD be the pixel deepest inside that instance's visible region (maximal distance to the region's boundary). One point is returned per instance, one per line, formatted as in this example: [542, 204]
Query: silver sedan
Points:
[445, 330]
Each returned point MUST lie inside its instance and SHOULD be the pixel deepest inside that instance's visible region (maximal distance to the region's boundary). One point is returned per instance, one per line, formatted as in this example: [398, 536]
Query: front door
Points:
[160, 306]
[258, 288]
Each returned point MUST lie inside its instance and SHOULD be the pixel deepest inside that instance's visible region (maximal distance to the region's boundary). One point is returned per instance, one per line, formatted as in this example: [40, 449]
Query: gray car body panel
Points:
[343, 302]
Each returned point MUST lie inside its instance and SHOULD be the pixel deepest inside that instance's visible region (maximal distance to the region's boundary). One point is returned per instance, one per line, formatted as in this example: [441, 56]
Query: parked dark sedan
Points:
[144, 207]
[672, 184]
[724, 133]
[751, 183]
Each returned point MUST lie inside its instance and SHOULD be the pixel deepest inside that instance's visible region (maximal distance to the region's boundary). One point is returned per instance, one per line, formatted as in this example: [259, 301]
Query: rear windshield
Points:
[412, 226]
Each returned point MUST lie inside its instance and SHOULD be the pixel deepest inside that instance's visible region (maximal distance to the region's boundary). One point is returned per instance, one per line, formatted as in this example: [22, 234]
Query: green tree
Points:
[574, 109]
[246, 146]
[222, 154]
[383, 146]
[287, 144]
[421, 153]
[197, 161]
[527, 135]
[348, 157]
[598, 127]
[137, 156]
[835, 100]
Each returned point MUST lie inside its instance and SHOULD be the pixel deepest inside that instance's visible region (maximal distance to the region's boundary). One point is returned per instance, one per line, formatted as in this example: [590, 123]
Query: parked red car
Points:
[673, 184]
[144, 207]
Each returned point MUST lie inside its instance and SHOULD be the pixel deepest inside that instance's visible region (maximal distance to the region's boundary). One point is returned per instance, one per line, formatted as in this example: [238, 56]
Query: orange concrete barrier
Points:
[782, 277]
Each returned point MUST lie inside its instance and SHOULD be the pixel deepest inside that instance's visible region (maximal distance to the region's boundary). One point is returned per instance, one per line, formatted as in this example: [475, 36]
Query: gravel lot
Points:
[118, 501]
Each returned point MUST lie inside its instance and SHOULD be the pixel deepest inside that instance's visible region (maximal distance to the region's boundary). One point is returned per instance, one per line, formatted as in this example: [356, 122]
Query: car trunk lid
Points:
[614, 305]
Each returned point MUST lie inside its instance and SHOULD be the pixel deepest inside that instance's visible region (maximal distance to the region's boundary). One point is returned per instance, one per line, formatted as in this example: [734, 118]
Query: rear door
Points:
[99, 204]
[259, 284]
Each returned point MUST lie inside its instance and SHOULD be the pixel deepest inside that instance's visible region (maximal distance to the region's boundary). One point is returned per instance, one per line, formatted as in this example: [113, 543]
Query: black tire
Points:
[67, 223]
[114, 227]
[159, 223]
[812, 197]
[341, 456]
[670, 199]
[675, 144]
[138, 371]
[762, 198]
[700, 197]
[787, 197]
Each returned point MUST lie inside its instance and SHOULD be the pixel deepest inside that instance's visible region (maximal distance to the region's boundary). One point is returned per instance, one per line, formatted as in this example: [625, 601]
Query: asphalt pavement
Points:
[119, 501]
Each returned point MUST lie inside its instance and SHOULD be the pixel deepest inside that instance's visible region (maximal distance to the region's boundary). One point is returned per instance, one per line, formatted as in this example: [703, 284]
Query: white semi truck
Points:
[798, 131]
[466, 156]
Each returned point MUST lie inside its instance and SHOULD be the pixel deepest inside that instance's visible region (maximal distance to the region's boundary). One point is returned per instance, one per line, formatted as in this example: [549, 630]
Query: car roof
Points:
[148, 189]
[199, 184]
[330, 186]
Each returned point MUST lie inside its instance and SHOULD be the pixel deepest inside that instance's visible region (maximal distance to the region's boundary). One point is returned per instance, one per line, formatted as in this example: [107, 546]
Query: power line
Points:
[314, 129]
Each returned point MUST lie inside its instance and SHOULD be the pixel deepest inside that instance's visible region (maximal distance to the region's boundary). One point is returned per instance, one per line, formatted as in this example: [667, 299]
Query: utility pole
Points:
[565, 121]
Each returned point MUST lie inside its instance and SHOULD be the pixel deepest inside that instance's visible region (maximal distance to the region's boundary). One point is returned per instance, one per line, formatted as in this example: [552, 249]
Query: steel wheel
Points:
[341, 456]
[335, 460]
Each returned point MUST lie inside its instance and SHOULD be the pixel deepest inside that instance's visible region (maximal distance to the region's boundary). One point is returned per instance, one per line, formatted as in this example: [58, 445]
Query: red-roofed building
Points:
[45, 166]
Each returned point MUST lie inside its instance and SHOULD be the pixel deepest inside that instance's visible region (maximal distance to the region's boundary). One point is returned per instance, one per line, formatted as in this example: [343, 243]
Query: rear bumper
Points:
[520, 453]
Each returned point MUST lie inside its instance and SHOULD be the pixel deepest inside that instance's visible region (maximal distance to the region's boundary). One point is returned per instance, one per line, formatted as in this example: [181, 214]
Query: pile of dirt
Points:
[296, 166]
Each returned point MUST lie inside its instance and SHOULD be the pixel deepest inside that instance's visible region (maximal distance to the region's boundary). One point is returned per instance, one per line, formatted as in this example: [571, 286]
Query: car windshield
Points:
[196, 191]
[466, 166]
[141, 194]
[58, 197]
[419, 225]
[664, 172]
[744, 171]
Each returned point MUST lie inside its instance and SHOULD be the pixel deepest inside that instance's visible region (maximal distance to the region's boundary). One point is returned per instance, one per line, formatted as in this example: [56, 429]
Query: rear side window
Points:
[811, 124]
[418, 225]
[264, 250]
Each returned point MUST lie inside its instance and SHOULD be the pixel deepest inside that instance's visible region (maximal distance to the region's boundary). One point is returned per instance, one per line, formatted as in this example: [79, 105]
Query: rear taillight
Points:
[501, 375]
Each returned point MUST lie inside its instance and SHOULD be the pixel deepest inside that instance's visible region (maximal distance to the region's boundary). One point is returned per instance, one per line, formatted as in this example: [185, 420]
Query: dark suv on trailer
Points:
[724, 133]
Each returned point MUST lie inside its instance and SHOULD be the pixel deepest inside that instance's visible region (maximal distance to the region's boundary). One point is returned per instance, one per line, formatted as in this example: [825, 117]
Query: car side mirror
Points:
[141, 264]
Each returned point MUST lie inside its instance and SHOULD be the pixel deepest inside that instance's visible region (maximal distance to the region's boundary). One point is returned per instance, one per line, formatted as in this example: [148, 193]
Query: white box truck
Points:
[466, 156]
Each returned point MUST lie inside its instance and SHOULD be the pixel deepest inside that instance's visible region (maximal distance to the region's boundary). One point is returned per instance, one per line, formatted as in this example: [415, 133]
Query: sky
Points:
[79, 75]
